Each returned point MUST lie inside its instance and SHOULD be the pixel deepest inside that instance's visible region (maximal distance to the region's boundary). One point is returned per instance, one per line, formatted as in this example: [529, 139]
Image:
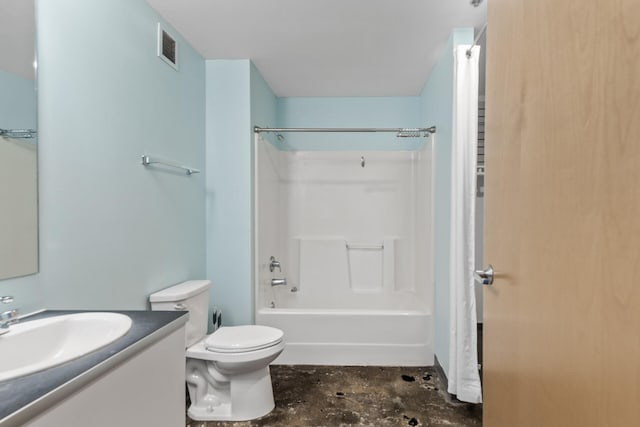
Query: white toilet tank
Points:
[193, 296]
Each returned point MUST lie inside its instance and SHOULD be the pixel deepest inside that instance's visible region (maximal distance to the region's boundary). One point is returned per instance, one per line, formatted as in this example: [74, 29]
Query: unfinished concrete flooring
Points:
[330, 396]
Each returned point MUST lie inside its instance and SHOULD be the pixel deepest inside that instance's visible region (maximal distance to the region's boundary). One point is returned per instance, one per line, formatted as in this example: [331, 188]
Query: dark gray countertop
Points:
[21, 396]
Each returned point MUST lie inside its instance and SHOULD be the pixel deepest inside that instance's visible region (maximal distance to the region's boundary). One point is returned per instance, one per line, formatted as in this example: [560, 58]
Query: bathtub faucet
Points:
[273, 264]
[278, 282]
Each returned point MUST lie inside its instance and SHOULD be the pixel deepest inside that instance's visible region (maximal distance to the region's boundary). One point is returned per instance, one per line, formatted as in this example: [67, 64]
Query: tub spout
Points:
[278, 282]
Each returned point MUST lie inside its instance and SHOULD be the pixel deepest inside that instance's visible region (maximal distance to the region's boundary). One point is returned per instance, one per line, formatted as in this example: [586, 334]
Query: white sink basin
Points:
[35, 345]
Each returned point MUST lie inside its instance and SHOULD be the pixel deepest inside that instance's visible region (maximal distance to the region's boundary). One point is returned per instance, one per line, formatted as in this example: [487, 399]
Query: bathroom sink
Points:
[32, 346]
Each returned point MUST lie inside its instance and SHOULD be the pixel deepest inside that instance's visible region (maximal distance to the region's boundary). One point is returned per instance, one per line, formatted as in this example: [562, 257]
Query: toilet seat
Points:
[242, 339]
[199, 351]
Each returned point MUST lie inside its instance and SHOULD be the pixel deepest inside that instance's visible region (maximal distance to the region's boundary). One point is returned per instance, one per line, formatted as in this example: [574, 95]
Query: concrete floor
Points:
[331, 396]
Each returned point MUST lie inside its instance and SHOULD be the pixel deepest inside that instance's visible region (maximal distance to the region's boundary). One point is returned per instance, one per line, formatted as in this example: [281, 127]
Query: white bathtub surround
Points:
[367, 267]
[354, 244]
[344, 337]
[463, 376]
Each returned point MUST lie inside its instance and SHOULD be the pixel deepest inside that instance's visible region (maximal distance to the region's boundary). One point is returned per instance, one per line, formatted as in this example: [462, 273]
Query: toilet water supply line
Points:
[216, 318]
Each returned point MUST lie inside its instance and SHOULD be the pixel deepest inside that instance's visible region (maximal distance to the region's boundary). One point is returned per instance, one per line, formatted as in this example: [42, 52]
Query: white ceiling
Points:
[326, 47]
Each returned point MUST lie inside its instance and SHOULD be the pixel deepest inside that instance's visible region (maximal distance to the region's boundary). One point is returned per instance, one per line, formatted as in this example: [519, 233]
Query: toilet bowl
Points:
[234, 361]
[227, 372]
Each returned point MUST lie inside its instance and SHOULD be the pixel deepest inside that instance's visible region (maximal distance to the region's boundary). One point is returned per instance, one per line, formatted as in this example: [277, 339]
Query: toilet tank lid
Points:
[180, 291]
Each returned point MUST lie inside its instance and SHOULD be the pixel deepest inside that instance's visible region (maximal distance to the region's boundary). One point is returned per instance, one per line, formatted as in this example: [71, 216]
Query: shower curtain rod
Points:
[428, 130]
[475, 41]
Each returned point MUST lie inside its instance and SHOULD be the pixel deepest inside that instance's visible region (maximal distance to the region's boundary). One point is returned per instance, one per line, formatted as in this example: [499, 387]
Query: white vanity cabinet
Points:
[147, 389]
[136, 380]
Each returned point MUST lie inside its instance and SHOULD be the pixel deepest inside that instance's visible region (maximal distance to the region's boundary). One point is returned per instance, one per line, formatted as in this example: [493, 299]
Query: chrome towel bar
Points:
[19, 133]
[148, 160]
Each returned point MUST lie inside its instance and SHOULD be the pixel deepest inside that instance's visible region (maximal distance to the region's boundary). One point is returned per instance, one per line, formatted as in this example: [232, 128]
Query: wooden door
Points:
[562, 227]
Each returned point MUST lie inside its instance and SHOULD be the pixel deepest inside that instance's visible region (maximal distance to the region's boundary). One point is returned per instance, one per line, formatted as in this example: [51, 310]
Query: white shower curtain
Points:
[464, 379]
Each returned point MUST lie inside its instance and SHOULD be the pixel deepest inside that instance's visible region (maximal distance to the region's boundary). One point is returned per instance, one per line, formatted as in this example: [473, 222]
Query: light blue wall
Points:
[112, 231]
[17, 102]
[344, 112]
[263, 101]
[229, 188]
[437, 109]
[238, 98]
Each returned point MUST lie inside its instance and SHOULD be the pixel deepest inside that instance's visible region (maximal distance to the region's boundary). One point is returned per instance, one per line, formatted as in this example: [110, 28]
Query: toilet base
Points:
[241, 397]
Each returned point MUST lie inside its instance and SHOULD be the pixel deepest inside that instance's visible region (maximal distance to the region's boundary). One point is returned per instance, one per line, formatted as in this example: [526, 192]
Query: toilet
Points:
[227, 372]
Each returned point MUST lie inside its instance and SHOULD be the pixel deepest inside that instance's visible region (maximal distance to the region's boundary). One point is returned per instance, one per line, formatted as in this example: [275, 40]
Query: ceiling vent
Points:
[167, 47]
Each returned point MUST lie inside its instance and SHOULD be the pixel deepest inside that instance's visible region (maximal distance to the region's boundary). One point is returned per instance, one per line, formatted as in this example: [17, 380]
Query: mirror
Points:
[18, 140]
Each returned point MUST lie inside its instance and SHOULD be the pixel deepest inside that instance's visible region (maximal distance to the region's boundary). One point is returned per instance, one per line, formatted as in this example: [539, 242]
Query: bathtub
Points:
[352, 234]
[352, 337]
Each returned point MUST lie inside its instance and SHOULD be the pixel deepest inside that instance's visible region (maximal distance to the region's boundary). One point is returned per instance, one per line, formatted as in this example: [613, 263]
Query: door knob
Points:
[485, 276]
